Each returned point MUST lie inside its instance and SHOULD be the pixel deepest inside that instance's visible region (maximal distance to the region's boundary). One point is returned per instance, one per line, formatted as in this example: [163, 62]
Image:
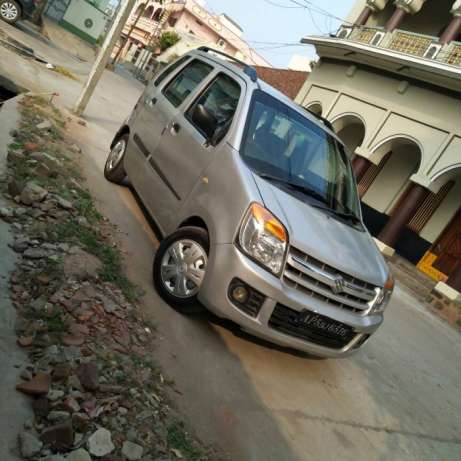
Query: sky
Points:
[270, 24]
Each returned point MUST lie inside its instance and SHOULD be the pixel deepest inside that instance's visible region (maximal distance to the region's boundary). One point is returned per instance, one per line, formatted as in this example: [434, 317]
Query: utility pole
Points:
[104, 55]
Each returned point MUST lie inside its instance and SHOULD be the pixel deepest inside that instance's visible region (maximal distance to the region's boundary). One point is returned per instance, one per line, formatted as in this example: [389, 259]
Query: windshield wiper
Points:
[306, 190]
[348, 216]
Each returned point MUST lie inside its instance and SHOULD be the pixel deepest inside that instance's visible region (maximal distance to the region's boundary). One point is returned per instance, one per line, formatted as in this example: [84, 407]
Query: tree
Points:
[168, 39]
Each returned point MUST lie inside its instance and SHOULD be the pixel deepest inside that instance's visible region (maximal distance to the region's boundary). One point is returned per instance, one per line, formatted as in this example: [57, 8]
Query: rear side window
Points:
[186, 82]
[170, 70]
[221, 99]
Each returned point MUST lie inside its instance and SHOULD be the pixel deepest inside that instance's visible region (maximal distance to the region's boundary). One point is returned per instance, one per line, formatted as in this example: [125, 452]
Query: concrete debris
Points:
[29, 445]
[39, 385]
[88, 375]
[45, 125]
[79, 455]
[59, 437]
[132, 451]
[33, 193]
[100, 443]
[82, 266]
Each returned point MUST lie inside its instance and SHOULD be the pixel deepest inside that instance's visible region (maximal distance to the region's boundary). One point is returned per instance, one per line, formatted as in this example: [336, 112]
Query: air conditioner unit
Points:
[344, 32]
[377, 39]
[432, 51]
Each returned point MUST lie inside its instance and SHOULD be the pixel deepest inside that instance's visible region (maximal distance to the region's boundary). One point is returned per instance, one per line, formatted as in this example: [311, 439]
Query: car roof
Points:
[237, 67]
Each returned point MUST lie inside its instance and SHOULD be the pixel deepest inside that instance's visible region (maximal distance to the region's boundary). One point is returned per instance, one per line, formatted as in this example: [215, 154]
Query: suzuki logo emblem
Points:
[338, 287]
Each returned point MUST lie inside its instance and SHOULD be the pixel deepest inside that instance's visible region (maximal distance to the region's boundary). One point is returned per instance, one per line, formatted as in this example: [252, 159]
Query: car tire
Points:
[114, 170]
[179, 268]
[10, 11]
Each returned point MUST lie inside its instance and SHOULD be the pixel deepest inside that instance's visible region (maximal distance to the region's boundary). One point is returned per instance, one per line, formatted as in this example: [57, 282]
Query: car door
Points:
[161, 194]
[184, 151]
[148, 125]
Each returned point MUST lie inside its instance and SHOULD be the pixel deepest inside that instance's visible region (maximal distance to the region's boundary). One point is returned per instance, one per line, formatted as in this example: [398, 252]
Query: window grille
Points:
[429, 207]
[371, 174]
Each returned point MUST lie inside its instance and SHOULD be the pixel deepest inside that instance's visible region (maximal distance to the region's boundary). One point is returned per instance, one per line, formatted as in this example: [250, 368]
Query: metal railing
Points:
[410, 43]
[452, 55]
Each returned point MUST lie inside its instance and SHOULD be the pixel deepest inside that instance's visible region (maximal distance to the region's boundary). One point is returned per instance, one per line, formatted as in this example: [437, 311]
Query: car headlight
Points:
[264, 238]
[384, 296]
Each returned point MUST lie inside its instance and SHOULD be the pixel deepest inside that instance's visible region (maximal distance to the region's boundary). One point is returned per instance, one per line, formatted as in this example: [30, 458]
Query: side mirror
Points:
[205, 120]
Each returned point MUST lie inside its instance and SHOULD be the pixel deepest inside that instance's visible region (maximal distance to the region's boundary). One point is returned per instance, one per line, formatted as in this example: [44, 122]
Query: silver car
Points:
[258, 205]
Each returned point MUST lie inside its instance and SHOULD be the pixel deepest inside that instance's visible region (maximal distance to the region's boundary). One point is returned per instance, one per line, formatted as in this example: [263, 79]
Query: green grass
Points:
[55, 323]
[84, 204]
[179, 440]
[91, 241]
[16, 145]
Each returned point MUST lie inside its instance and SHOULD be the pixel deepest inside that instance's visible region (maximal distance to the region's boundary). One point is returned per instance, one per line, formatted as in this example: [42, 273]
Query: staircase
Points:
[412, 278]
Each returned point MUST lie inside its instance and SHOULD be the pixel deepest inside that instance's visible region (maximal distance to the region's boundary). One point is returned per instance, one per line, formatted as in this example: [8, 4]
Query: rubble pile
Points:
[95, 390]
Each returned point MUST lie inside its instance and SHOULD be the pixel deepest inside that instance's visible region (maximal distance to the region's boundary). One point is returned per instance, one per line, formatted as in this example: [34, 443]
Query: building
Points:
[287, 81]
[390, 83]
[150, 18]
[88, 20]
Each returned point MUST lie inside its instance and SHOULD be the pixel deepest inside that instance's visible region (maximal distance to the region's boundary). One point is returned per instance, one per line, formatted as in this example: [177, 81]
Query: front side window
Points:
[220, 99]
[287, 148]
[169, 70]
[186, 82]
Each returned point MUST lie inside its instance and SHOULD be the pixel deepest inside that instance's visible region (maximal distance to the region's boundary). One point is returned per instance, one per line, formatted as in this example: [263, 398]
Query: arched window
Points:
[140, 9]
[158, 14]
[351, 130]
[149, 12]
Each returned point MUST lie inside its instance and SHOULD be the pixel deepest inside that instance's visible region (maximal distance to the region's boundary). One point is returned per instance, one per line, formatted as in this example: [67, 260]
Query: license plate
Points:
[316, 322]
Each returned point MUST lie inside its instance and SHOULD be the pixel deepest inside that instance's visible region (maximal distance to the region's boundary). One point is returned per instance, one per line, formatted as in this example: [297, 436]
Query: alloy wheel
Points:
[9, 11]
[183, 268]
[116, 155]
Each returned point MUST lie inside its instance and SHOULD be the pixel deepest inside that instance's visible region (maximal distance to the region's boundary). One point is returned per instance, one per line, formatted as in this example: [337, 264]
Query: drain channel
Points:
[8, 90]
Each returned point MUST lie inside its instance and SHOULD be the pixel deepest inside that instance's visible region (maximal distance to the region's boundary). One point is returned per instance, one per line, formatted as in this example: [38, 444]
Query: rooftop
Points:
[287, 81]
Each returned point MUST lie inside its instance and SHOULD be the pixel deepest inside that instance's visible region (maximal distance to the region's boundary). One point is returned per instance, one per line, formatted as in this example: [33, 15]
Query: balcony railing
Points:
[423, 46]
[145, 24]
[452, 55]
[410, 43]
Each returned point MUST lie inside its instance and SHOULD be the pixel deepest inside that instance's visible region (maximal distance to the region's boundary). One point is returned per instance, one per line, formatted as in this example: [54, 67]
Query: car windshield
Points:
[282, 145]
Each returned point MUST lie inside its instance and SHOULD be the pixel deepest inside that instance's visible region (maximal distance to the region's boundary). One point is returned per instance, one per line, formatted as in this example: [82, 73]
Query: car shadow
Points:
[238, 332]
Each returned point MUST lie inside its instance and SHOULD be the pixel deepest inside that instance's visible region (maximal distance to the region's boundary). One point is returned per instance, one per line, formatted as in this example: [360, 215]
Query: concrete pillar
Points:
[360, 166]
[364, 16]
[104, 55]
[395, 20]
[455, 279]
[414, 198]
[452, 31]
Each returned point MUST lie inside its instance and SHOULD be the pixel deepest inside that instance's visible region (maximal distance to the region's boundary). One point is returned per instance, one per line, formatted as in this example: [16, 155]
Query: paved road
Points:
[399, 399]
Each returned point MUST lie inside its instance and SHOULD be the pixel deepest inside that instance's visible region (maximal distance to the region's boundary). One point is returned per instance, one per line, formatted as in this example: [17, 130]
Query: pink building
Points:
[189, 19]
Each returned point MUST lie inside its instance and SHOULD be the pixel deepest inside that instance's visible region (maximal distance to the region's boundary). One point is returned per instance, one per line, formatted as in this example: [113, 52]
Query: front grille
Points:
[323, 282]
[286, 320]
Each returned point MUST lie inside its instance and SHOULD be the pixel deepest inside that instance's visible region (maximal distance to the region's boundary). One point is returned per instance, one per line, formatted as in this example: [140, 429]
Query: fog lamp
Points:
[240, 294]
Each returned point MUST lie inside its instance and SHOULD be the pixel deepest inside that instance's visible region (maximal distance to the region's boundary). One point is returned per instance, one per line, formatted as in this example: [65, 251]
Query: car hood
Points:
[324, 237]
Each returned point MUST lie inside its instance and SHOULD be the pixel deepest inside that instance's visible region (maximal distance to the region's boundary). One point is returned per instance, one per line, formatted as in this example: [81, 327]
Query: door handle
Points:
[175, 128]
[151, 102]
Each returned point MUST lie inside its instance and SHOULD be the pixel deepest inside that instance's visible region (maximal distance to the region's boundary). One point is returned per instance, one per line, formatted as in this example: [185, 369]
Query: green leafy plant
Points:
[168, 39]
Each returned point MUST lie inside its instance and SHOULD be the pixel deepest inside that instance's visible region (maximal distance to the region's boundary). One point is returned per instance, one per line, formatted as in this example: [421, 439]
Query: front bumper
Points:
[226, 263]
